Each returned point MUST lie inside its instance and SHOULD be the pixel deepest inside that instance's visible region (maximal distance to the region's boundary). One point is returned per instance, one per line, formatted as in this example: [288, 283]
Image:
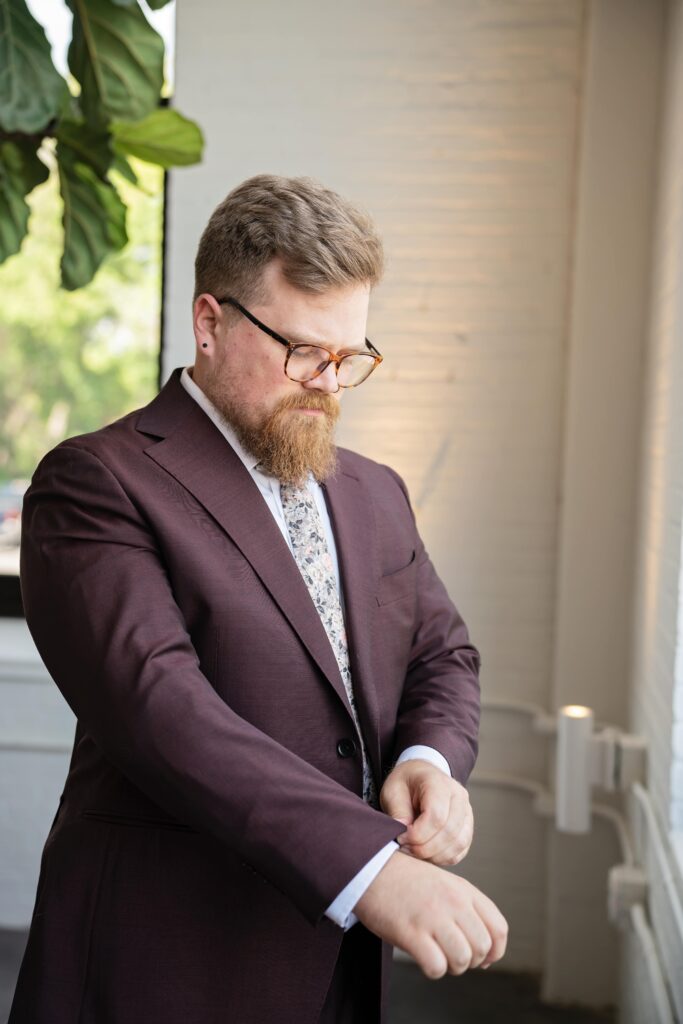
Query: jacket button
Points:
[346, 748]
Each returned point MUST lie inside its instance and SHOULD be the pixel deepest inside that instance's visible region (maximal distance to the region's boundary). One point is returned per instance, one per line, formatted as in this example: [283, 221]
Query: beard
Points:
[288, 444]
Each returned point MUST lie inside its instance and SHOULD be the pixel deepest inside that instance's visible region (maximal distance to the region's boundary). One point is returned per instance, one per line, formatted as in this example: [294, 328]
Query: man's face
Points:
[288, 425]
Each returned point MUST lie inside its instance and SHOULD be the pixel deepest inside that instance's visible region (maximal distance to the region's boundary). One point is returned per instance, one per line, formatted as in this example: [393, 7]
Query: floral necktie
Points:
[315, 564]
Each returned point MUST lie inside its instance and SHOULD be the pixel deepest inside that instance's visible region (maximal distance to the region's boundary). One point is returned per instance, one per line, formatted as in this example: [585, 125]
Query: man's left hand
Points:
[435, 808]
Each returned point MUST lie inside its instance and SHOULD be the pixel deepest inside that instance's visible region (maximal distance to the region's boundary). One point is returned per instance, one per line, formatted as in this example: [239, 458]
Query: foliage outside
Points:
[81, 173]
[108, 112]
[73, 362]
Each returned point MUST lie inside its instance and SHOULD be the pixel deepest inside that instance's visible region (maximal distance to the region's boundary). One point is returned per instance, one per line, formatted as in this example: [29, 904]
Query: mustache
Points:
[310, 400]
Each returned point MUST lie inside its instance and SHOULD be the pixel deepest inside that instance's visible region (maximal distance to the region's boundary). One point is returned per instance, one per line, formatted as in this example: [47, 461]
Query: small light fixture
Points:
[574, 768]
[610, 759]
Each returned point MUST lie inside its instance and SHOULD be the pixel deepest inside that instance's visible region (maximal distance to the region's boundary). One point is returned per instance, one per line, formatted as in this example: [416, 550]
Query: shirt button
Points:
[346, 748]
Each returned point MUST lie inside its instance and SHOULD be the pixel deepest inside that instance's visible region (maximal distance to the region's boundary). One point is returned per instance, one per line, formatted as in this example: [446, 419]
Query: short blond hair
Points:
[322, 239]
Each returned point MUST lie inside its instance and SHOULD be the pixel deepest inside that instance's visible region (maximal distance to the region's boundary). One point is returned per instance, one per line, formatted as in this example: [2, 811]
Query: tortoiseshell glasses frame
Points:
[310, 364]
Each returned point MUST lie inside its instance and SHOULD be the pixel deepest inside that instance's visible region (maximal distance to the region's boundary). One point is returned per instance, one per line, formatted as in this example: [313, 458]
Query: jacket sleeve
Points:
[440, 703]
[100, 608]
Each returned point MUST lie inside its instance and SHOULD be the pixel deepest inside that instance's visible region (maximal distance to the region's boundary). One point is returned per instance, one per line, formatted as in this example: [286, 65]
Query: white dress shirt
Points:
[340, 910]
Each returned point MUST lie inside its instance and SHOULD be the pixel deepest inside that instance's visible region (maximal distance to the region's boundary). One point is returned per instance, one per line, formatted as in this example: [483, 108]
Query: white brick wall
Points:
[454, 122]
[658, 619]
[657, 677]
[36, 737]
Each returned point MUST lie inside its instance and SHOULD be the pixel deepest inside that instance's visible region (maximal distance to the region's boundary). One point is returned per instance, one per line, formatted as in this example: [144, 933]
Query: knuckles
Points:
[460, 964]
[480, 951]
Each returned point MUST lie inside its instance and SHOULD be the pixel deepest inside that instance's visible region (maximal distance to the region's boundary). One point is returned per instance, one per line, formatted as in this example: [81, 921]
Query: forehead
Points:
[336, 316]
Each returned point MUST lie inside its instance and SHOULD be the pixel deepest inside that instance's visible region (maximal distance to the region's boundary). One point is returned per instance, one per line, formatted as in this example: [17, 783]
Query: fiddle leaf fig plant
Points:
[110, 108]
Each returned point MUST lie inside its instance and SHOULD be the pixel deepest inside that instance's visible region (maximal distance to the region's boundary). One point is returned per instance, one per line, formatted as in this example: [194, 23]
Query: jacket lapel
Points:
[196, 454]
[354, 528]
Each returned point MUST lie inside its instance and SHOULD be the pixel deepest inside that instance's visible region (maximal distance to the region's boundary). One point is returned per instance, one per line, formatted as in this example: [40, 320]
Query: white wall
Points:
[607, 315]
[506, 151]
[657, 636]
[36, 735]
[455, 123]
[657, 630]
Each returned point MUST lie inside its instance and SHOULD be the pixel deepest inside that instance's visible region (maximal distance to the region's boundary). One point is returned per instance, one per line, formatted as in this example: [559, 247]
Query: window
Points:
[73, 361]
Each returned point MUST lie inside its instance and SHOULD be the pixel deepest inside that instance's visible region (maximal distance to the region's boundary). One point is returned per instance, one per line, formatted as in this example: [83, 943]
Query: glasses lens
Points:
[306, 362]
[354, 369]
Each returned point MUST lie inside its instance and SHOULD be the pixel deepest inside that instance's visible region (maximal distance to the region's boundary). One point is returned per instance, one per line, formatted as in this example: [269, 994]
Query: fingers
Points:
[496, 926]
[449, 843]
[436, 809]
[453, 852]
[463, 840]
[461, 946]
[397, 802]
[432, 820]
[474, 936]
[444, 922]
[430, 958]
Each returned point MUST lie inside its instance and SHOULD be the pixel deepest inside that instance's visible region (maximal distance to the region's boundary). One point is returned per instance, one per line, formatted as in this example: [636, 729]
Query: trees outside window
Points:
[73, 360]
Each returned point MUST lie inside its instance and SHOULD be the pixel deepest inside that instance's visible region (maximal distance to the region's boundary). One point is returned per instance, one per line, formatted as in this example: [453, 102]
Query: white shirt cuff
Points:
[340, 910]
[426, 754]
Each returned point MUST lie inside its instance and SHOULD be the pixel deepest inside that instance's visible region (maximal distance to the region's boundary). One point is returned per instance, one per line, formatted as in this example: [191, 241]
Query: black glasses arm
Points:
[273, 334]
[255, 321]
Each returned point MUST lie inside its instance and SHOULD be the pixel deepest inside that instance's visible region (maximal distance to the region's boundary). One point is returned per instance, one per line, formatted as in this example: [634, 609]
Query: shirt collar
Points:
[226, 429]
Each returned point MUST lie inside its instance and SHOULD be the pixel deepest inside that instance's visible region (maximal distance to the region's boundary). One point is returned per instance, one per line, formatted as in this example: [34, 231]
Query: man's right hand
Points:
[444, 922]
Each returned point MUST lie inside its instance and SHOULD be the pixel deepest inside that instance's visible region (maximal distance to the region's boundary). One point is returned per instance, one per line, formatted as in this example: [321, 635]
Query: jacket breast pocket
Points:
[399, 584]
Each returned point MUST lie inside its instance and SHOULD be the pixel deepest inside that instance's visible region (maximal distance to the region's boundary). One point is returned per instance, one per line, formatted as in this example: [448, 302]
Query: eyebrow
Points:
[296, 339]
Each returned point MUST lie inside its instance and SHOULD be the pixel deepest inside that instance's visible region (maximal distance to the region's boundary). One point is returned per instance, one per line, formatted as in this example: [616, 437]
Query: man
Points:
[277, 702]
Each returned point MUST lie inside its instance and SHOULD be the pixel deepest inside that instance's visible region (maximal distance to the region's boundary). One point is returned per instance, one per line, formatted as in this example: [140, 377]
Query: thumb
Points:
[397, 802]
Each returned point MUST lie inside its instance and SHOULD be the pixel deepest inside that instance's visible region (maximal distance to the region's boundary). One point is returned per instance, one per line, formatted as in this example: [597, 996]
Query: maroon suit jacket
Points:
[211, 812]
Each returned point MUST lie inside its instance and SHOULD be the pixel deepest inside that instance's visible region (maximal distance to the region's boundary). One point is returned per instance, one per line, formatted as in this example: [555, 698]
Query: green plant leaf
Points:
[90, 145]
[164, 137]
[121, 165]
[155, 5]
[94, 220]
[21, 158]
[31, 89]
[117, 57]
[20, 171]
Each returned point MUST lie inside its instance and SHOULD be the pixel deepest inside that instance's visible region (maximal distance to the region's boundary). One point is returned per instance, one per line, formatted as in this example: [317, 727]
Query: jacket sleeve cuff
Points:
[341, 908]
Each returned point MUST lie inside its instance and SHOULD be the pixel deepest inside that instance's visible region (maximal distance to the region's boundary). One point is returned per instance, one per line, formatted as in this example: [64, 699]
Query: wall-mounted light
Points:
[573, 779]
[609, 758]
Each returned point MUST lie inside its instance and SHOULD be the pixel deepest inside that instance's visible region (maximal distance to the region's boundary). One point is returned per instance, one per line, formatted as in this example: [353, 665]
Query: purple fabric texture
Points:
[212, 810]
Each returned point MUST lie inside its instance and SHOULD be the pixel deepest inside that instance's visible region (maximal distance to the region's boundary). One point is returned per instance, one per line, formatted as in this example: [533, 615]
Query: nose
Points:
[325, 381]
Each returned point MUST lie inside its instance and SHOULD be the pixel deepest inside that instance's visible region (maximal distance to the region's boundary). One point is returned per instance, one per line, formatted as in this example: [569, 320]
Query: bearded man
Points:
[277, 702]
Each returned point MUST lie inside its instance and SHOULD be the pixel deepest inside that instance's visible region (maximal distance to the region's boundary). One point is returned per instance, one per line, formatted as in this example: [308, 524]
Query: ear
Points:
[206, 317]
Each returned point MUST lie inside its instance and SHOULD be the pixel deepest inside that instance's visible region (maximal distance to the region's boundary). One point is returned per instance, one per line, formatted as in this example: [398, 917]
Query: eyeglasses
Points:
[306, 362]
